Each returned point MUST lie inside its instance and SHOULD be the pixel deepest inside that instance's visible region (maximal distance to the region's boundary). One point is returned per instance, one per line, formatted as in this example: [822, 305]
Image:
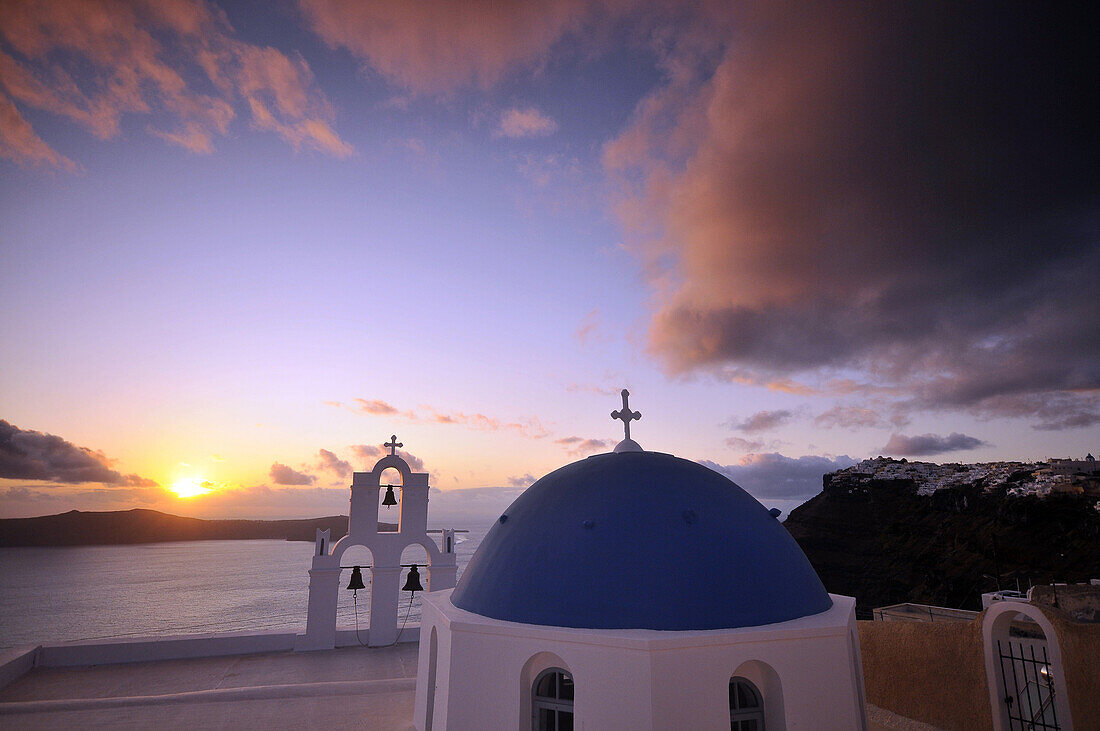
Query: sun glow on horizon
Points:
[189, 487]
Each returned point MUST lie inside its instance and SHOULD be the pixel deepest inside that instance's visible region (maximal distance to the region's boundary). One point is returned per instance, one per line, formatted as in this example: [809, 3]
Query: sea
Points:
[61, 594]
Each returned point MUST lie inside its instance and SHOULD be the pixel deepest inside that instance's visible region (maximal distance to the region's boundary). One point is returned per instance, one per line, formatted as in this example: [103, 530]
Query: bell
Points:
[413, 582]
[389, 500]
[356, 582]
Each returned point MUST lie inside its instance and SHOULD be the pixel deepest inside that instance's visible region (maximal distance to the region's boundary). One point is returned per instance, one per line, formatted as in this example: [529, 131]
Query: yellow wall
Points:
[927, 671]
[935, 671]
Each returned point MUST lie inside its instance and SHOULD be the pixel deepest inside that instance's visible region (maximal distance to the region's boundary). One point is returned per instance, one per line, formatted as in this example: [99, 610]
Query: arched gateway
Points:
[385, 548]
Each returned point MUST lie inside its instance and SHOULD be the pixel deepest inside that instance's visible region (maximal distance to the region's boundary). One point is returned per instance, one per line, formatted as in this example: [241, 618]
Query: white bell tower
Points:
[385, 548]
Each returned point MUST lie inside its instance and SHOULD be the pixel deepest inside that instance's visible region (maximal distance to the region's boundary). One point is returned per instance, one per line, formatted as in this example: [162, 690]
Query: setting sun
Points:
[189, 487]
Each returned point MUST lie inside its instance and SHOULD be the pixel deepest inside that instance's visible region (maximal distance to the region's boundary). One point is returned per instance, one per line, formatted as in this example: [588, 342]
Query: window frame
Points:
[746, 713]
[556, 703]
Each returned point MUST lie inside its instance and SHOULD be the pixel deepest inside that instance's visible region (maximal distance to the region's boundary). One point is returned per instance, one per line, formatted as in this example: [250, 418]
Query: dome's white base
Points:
[478, 672]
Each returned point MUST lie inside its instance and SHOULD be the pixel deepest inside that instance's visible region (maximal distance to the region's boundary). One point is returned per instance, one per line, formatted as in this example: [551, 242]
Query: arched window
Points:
[746, 708]
[552, 700]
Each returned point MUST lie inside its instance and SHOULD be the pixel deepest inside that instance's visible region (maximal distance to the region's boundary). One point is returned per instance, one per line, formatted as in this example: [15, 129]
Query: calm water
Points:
[55, 594]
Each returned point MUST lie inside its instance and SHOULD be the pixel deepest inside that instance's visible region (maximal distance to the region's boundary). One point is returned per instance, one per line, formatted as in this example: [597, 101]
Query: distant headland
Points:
[79, 528]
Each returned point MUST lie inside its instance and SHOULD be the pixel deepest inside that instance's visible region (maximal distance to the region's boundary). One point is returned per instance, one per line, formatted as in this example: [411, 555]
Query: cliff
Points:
[883, 542]
[77, 528]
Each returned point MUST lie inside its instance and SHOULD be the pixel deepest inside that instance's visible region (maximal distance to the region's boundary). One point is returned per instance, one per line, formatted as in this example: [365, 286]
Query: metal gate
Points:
[1027, 684]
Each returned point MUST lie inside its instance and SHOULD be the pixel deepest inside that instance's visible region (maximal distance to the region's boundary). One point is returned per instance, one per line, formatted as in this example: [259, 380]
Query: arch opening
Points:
[1023, 669]
[390, 481]
[408, 604]
[764, 680]
[532, 670]
[349, 605]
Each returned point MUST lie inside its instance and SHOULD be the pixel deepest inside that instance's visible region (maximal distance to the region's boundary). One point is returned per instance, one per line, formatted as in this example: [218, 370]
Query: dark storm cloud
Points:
[32, 455]
[929, 444]
[774, 475]
[909, 190]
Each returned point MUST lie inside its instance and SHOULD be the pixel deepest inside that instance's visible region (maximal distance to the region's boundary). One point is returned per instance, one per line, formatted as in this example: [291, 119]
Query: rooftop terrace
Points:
[347, 687]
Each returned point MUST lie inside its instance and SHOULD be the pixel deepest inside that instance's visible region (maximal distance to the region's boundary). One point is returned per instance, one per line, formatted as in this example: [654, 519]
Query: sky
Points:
[243, 244]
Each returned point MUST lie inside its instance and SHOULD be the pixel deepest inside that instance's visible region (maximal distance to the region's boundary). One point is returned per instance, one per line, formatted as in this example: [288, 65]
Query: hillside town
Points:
[1018, 479]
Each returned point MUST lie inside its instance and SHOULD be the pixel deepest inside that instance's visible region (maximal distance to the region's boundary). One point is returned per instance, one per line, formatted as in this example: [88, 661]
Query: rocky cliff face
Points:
[883, 542]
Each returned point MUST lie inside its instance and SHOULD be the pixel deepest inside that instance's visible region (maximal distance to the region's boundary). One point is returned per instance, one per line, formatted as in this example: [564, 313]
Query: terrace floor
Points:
[351, 687]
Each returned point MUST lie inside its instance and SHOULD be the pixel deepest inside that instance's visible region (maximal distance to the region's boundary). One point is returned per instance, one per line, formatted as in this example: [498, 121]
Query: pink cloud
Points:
[329, 461]
[764, 421]
[529, 122]
[20, 144]
[370, 453]
[281, 474]
[530, 427]
[367, 452]
[375, 407]
[439, 46]
[95, 62]
[744, 445]
[849, 417]
[578, 445]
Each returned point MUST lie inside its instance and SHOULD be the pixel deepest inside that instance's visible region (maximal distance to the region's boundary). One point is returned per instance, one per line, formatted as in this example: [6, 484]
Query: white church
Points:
[638, 590]
[628, 590]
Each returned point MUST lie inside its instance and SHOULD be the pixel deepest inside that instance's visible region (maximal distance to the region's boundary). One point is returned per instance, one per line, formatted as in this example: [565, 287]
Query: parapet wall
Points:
[935, 671]
[927, 671]
[1081, 657]
[14, 662]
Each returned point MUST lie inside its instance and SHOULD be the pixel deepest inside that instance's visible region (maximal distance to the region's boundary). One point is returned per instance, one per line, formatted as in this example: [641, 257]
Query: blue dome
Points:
[639, 540]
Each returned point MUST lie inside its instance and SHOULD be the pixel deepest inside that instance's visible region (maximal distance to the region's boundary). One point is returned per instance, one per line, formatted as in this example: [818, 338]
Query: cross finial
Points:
[393, 444]
[626, 415]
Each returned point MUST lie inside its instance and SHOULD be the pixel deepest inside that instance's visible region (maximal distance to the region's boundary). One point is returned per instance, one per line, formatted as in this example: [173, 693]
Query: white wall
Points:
[643, 679]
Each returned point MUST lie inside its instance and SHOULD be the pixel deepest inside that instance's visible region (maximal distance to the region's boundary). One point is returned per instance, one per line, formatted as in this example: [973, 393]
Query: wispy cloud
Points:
[528, 122]
[375, 407]
[591, 328]
[525, 480]
[744, 445]
[850, 417]
[530, 427]
[763, 421]
[588, 388]
[579, 445]
[20, 144]
[929, 444]
[440, 46]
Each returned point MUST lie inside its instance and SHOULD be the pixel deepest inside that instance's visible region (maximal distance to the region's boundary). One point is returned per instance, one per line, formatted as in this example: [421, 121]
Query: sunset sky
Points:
[242, 244]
